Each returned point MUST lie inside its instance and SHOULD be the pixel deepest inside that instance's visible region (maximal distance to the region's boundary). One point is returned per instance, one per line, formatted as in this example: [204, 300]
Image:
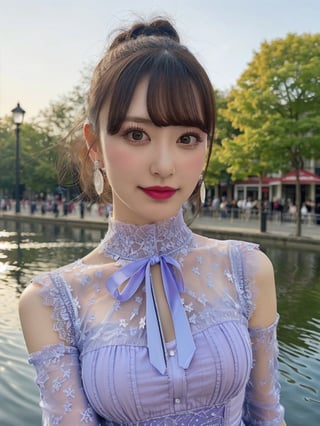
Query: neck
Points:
[129, 242]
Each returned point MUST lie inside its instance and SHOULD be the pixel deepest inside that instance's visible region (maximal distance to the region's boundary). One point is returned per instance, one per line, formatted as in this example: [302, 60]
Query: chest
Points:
[121, 375]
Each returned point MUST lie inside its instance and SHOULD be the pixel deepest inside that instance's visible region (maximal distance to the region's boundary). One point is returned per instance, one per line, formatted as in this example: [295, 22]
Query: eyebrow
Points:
[143, 120]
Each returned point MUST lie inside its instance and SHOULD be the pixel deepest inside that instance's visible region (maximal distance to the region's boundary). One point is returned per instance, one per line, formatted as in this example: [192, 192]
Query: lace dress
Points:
[113, 366]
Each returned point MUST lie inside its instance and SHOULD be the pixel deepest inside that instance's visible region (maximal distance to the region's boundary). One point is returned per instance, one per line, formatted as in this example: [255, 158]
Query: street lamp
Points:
[17, 115]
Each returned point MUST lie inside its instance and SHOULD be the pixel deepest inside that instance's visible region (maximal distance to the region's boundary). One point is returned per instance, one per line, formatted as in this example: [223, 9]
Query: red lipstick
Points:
[159, 192]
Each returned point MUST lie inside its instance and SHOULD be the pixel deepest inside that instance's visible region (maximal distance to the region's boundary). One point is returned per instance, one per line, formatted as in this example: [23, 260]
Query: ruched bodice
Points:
[133, 390]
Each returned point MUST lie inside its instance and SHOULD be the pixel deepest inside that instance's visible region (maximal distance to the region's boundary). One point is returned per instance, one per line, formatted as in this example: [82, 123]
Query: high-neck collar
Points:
[124, 241]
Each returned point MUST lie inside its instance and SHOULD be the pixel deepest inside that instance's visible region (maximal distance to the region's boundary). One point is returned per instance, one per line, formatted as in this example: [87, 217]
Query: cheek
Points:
[194, 165]
[118, 160]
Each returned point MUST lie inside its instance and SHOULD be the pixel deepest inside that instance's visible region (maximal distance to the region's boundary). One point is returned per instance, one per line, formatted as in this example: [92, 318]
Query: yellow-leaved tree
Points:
[276, 107]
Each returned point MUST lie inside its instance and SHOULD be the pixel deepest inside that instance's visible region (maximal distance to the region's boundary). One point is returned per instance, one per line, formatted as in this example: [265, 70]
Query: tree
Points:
[37, 158]
[39, 142]
[7, 157]
[276, 107]
[217, 169]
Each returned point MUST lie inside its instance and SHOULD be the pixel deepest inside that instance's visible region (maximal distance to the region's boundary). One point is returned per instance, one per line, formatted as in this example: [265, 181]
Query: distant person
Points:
[82, 209]
[157, 325]
[33, 206]
[55, 208]
[304, 212]
[292, 211]
[317, 212]
[65, 208]
[43, 207]
[215, 206]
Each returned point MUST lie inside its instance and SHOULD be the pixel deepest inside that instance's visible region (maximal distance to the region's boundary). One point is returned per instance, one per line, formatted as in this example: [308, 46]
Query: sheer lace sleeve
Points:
[62, 398]
[58, 372]
[262, 404]
[57, 294]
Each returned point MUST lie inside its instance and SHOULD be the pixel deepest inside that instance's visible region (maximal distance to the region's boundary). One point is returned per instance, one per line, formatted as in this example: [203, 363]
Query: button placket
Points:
[178, 377]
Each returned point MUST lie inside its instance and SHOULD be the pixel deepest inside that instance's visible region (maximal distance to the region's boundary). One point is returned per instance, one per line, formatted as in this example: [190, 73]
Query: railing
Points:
[232, 214]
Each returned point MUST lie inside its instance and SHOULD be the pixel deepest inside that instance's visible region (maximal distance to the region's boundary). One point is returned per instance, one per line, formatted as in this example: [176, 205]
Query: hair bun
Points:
[158, 28]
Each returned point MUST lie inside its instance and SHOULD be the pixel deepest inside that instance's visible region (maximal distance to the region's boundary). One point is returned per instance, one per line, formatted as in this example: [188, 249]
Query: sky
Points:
[45, 45]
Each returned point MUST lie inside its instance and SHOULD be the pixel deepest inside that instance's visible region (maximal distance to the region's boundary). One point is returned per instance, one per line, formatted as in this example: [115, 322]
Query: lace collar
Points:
[127, 242]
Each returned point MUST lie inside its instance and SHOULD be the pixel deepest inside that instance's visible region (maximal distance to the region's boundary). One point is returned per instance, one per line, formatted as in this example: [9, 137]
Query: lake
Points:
[27, 249]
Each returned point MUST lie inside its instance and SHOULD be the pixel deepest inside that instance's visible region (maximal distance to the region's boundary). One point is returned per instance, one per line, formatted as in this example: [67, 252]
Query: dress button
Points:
[177, 400]
[172, 352]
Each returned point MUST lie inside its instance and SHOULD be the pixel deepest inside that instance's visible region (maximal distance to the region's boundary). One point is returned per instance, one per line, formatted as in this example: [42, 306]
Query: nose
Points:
[163, 163]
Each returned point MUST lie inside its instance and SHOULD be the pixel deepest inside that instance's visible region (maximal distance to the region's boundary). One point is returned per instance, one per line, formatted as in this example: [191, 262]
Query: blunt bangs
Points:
[179, 91]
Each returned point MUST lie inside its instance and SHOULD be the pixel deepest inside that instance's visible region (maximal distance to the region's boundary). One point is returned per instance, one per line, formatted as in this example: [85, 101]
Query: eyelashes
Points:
[135, 134]
[191, 138]
[138, 135]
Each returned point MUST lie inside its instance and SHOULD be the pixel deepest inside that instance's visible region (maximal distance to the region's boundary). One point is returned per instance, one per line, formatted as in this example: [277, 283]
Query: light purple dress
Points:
[109, 370]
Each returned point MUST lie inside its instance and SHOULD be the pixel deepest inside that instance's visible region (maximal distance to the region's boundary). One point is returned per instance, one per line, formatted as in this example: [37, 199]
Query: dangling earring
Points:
[202, 192]
[98, 179]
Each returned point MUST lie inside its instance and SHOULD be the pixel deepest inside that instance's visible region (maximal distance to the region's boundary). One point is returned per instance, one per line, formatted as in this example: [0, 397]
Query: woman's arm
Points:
[63, 401]
[262, 405]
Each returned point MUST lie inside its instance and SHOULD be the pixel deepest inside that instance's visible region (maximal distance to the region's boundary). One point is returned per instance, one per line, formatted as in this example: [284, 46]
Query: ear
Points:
[92, 143]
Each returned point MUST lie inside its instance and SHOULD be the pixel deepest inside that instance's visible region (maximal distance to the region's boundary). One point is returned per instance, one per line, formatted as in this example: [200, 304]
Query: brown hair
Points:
[179, 90]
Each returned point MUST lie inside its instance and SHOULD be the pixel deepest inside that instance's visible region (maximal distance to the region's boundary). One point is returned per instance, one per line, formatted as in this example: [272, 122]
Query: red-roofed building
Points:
[281, 187]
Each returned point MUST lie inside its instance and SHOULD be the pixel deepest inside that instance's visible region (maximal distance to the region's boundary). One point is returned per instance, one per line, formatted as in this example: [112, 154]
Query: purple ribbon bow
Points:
[138, 271]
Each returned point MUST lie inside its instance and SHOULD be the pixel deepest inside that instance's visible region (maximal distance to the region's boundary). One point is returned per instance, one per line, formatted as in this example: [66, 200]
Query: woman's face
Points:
[152, 170]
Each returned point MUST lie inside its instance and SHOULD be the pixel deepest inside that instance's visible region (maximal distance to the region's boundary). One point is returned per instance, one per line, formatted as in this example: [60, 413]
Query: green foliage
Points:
[276, 107]
[37, 158]
[224, 129]
[39, 142]
[7, 157]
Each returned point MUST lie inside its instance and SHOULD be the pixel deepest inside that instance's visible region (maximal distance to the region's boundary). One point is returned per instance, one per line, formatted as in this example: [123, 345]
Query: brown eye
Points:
[185, 139]
[189, 139]
[136, 135]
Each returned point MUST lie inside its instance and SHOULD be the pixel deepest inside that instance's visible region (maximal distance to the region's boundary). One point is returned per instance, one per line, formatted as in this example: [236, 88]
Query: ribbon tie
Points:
[138, 271]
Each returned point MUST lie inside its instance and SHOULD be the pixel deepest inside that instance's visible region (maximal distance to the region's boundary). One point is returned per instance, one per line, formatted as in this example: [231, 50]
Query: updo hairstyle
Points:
[179, 90]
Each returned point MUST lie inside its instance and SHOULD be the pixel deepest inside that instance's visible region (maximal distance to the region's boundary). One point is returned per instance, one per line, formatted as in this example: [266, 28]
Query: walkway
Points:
[281, 233]
[276, 232]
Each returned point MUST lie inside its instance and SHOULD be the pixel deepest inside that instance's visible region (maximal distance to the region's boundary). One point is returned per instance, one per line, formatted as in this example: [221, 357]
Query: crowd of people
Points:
[57, 206]
[220, 207]
[278, 210]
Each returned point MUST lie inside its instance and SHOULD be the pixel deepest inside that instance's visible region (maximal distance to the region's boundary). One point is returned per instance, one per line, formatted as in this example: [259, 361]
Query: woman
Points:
[157, 325]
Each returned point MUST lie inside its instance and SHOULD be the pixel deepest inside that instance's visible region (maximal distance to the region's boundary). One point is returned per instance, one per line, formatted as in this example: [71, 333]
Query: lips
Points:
[159, 192]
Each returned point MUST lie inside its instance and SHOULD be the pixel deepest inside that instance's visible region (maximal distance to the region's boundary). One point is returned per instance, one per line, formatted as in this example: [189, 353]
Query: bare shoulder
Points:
[36, 320]
[264, 293]
[264, 271]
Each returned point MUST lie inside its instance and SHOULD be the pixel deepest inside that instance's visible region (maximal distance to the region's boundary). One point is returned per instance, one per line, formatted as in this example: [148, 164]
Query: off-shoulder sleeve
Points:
[58, 372]
[62, 399]
[262, 403]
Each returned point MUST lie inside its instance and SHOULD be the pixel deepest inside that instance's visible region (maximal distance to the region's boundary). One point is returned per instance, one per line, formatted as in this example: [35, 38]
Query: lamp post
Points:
[18, 115]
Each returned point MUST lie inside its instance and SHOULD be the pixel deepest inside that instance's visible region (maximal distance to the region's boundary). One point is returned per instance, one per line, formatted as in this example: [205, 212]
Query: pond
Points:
[27, 249]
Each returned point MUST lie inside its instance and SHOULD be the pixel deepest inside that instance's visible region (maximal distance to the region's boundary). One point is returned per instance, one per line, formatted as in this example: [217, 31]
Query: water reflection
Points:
[298, 288]
[30, 246]
[27, 249]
